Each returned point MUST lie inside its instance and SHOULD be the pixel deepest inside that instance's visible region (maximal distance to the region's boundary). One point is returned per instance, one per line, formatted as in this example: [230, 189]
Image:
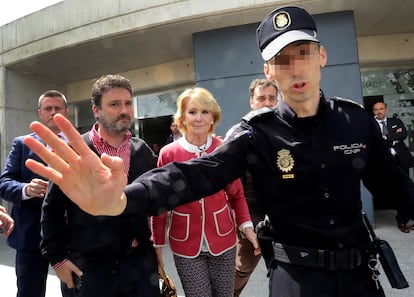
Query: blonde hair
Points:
[203, 99]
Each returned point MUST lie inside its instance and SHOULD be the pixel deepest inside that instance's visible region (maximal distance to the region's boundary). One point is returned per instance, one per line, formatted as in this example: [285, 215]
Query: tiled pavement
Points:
[403, 245]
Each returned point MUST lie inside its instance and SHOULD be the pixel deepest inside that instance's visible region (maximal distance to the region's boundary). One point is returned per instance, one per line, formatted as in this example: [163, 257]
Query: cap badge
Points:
[285, 160]
[281, 20]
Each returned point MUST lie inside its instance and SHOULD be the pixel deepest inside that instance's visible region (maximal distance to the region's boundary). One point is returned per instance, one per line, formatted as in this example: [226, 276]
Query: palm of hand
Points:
[94, 184]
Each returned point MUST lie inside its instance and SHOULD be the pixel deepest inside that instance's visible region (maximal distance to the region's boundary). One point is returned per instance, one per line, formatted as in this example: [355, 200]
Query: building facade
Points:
[164, 46]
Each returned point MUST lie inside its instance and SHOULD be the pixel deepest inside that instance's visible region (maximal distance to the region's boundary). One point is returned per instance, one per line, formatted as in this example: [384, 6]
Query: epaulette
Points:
[254, 114]
[347, 101]
[246, 130]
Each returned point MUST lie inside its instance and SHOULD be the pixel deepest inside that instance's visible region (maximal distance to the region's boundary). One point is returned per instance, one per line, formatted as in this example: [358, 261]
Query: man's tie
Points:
[384, 128]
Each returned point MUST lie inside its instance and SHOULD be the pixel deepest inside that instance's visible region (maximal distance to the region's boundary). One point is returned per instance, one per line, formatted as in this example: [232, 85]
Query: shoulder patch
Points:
[241, 133]
[347, 101]
[238, 130]
[258, 113]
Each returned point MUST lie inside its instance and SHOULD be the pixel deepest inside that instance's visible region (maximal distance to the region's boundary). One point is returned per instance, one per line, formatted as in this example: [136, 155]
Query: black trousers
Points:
[402, 217]
[288, 280]
[134, 275]
[31, 272]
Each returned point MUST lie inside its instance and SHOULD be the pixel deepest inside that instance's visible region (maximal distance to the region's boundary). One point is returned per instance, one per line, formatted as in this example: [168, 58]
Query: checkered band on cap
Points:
[282, 27]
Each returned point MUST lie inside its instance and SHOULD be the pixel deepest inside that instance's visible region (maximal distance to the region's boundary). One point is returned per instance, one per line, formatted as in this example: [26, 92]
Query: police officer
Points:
[307, 159]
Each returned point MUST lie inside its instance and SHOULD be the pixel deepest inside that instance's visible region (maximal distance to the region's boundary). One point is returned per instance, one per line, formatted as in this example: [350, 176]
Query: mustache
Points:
[123, 116]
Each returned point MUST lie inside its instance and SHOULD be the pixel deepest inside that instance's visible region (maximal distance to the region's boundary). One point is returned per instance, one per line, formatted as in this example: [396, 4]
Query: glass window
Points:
[152, 115]
[84, 118]
[395, 87]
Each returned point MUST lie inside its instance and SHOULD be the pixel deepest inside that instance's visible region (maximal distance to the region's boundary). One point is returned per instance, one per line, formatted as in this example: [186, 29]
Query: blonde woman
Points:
[202, 234]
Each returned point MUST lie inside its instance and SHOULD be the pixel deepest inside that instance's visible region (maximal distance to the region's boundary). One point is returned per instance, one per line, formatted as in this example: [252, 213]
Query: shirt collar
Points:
[380, 121]
[199, 151]
[288, 114]
[62, 136]
[96, 138]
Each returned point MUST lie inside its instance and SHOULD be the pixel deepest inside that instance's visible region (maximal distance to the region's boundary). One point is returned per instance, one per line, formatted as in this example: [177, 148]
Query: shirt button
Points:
[331, 222]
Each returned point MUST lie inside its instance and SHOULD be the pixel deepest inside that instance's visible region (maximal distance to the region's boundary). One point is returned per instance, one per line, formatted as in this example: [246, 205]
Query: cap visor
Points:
[273, 48]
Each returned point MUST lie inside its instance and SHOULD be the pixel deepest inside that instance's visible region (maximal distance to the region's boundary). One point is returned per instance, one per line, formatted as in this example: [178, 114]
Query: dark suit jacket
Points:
[405, 158]
[93, 238]
[26, 213]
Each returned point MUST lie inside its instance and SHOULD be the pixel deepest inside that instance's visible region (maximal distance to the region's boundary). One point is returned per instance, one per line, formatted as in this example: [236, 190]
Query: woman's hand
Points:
[252, 237]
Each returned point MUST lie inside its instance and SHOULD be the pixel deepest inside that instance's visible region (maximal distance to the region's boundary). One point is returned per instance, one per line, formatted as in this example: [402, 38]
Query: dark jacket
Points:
[69, 232]
[26, 213]
[307, 173]
[396, 139]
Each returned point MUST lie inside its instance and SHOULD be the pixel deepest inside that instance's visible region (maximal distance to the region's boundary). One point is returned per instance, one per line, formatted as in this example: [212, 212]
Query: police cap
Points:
[282, 27]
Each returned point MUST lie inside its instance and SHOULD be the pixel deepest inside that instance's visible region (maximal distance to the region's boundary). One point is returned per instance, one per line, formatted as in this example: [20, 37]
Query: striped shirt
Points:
[102, 146]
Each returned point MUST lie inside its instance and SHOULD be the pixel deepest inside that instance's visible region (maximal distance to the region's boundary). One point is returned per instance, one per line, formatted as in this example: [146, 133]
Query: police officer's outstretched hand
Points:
[95, 184]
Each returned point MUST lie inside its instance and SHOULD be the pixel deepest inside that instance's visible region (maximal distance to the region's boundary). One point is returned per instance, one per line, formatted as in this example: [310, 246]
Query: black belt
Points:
[329, 259]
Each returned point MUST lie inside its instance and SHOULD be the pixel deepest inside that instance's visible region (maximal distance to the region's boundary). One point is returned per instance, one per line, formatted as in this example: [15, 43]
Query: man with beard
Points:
[103, 256]
[394, 133]
[307, 158]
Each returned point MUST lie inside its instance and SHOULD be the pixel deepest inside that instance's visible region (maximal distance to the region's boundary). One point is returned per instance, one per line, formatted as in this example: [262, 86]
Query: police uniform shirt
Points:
[306, 172]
